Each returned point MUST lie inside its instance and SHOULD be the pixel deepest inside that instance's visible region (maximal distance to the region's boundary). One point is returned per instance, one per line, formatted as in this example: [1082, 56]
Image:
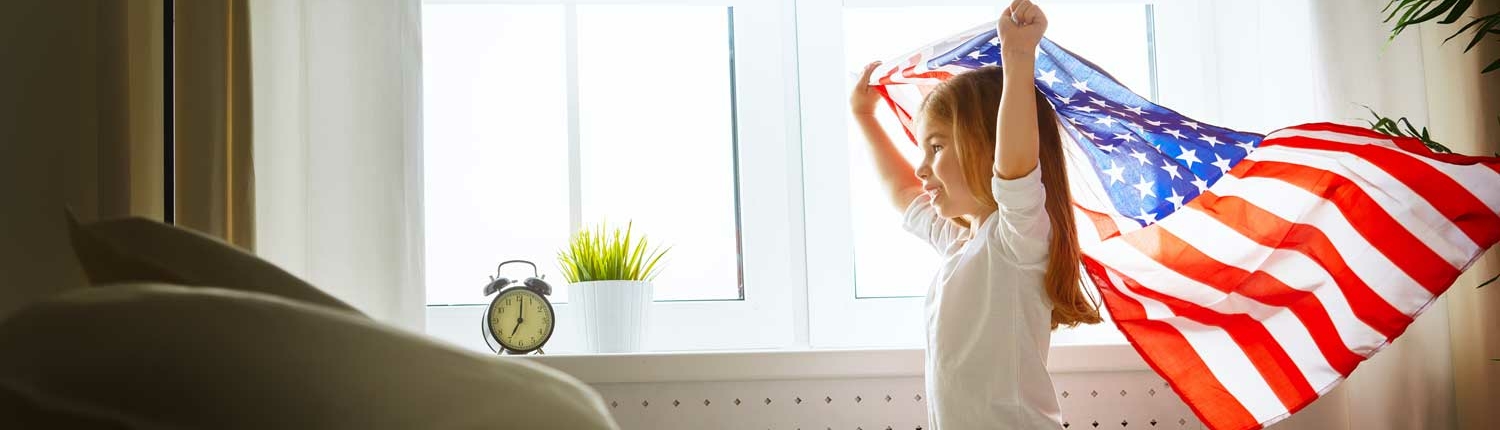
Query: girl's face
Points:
[942, 179]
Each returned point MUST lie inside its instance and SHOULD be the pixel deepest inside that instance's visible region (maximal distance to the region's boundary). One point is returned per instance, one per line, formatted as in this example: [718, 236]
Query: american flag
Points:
[1252, 272]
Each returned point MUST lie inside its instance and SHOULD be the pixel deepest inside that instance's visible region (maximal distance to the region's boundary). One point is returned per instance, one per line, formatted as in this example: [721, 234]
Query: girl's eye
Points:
[936, 148]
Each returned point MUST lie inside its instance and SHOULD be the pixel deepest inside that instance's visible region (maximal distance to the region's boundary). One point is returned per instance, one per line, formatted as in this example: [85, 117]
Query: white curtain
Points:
[338, 148]
[1285, 62]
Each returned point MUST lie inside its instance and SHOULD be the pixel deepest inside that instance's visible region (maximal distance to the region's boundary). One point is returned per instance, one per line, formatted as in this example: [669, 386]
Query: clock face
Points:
[520, 319]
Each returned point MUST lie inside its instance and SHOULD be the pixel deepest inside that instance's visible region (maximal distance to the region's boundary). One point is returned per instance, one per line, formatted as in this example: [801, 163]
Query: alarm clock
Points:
[519, 319]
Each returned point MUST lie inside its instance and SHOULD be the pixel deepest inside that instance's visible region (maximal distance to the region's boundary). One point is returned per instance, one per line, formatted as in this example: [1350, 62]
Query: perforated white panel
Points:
[1102, 400]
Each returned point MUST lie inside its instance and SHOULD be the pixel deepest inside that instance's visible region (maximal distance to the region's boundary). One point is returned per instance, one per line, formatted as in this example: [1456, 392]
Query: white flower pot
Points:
[614, 314]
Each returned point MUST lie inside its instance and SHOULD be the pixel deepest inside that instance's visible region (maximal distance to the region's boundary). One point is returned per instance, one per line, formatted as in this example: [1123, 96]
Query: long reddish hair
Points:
[969, 104]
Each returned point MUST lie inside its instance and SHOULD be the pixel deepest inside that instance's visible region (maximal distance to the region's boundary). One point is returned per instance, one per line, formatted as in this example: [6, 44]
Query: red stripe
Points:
[1102, 223]
[1382, 231]
[1170, 355]
[1179, 256]
[900, 112]
[1452, 199]
[1269, 358]
[1408, 144]
[1272, 231]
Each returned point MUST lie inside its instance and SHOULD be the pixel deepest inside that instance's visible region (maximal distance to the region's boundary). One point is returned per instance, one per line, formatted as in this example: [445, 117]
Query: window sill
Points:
[750, 365]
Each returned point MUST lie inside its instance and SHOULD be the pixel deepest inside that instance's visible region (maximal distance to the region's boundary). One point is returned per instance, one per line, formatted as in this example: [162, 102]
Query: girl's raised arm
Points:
[898, 177]
[1016, 138]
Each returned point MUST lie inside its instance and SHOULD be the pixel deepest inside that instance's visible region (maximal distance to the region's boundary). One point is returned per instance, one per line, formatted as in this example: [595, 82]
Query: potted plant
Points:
[609, 272]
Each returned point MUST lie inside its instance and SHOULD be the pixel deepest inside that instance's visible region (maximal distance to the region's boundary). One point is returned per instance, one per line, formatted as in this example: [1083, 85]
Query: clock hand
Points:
[519, 318]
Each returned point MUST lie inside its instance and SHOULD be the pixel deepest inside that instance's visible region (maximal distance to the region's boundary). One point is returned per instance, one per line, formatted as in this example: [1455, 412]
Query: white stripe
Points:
[1292, 268]
[1280, 322]
[1088, 234]
[1224, 358]
[1393, 196]
[1293, 204]
[1477, 178]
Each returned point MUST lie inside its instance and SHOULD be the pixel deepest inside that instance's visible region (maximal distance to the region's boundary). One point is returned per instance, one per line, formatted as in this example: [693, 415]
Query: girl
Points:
[992, 196]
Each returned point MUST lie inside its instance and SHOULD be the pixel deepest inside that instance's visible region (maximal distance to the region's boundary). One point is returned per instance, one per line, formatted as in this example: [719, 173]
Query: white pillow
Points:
[154, 356]
[142, 250]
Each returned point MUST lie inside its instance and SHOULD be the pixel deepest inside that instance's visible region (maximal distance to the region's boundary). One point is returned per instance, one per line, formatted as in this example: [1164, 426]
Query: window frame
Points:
[798, 265]
[769, 183]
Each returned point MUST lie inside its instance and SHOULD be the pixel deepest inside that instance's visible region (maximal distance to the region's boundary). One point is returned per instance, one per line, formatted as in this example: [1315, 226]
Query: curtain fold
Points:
[213, 158]
[338, 143]
[1464, 114]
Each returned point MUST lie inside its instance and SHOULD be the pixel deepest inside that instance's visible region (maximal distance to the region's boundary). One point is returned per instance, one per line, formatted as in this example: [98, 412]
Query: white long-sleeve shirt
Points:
[988, 315]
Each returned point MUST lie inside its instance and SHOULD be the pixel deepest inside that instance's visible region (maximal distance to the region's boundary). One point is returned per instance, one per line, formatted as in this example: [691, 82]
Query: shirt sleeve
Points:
[921, 219]
[1023, 229]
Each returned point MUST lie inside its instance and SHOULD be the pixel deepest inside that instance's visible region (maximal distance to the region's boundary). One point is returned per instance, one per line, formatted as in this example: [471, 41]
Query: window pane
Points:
[889, 262]
[495, 144]
[656, 123]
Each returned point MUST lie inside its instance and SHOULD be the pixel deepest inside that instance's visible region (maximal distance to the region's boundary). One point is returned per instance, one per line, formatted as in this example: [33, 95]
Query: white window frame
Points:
[793, 152]
[770, 190]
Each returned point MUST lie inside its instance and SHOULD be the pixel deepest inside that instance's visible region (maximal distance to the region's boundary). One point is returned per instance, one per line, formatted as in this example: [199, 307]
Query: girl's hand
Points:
[863, 99]
[1021, 26]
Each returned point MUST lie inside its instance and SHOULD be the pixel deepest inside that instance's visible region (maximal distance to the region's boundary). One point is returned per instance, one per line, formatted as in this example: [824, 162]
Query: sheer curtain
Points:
[338, 148]
[1284, 62]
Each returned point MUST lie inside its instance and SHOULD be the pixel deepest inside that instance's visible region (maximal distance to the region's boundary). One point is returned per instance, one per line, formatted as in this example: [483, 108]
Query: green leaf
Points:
[1489, 23]
[601, 253]
[1392, 127]
[1434, 13]
[1457, 12]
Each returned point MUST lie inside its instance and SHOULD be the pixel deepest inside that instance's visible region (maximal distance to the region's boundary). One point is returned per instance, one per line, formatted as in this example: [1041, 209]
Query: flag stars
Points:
[1091, 136]
[1214, 141]
[1108, 121]
[1050, 77]
[1065, 99]
[1176, 134]
[1136, 110]
[1190, 124]
[1089, 109]
[1247, 146]
[1101, 103]
[1221, 163]
[976, 54]
[1116, 174]
[1189, 156]
[1201, 184]
[1172, 169]
[989, 64]
[1125, 137]
[1155, 123]
[1110, 148]
[1081, 86]
[1176, 200]
[1140, 156]
[1145, 187]
[1146, 216]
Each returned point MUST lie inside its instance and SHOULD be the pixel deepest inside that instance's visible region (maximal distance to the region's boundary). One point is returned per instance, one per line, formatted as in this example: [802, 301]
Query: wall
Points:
[78, 76]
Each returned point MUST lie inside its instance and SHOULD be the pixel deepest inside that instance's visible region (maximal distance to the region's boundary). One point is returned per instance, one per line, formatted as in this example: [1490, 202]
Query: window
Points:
[719, 127]
[541, 117]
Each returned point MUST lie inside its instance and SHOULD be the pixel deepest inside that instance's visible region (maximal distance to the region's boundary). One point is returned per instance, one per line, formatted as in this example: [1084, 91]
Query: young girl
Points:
[992, 196]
